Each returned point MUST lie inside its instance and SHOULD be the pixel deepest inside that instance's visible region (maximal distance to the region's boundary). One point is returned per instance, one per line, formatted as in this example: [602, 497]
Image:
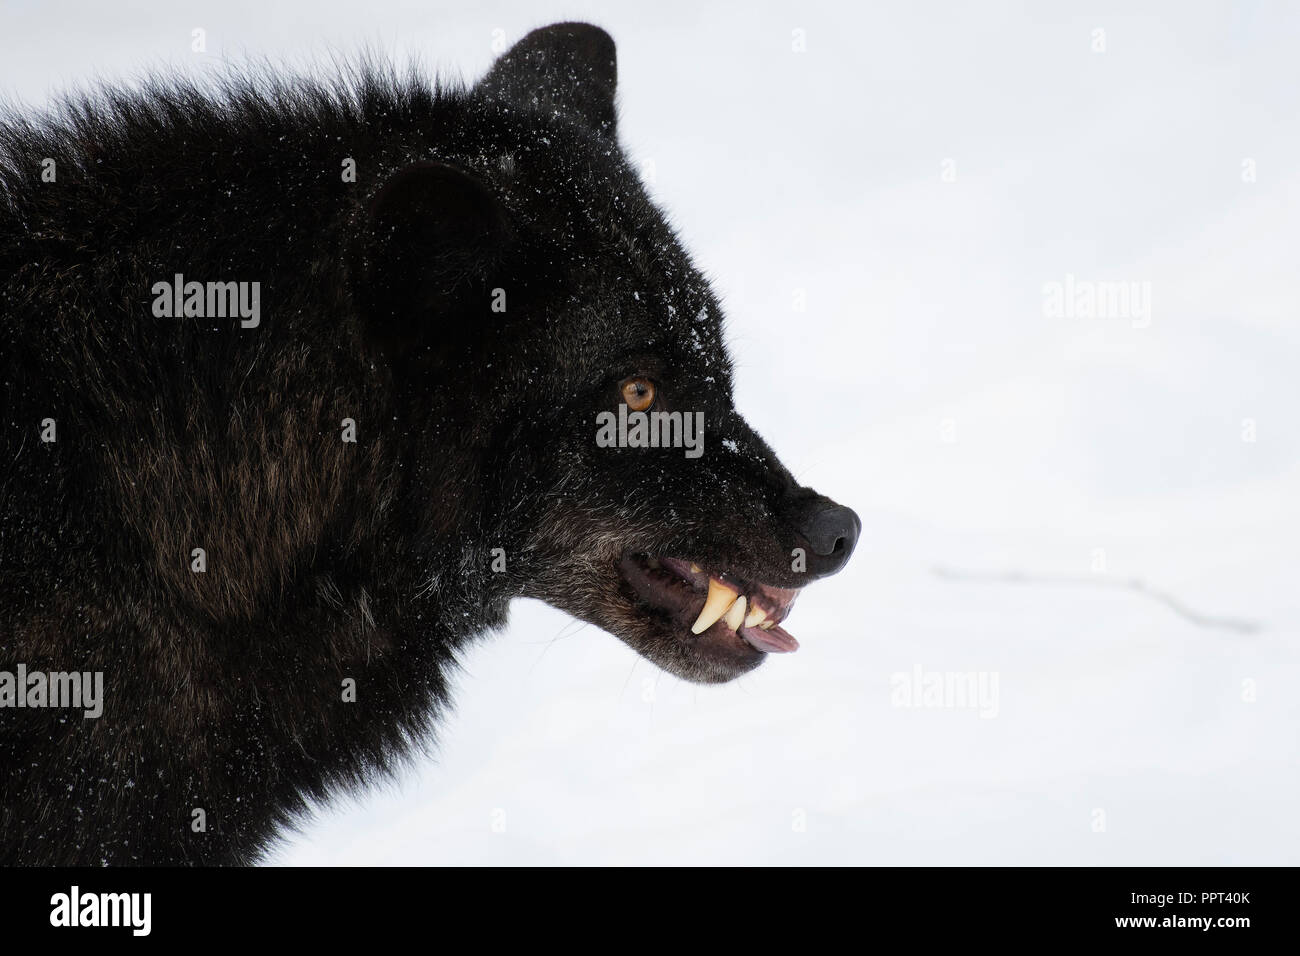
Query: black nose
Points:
[831, 533]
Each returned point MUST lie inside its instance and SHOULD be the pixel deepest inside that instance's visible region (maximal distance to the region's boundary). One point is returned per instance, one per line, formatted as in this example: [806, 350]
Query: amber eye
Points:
[638, 394]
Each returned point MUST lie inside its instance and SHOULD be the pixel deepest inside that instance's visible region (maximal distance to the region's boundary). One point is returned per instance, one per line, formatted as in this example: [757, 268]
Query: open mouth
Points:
[713, 606]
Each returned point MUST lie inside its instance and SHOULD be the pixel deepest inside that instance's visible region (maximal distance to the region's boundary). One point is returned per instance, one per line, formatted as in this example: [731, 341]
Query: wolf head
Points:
[531, 271]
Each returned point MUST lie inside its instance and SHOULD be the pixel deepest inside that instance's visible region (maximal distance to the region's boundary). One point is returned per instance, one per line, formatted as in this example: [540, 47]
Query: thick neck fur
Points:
[320, 568]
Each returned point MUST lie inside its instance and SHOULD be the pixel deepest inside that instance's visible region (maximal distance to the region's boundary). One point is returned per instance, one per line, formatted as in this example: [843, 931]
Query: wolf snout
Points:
[830, 532]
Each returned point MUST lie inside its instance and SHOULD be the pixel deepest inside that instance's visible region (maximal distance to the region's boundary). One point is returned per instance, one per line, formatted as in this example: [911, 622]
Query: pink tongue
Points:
[774, 640]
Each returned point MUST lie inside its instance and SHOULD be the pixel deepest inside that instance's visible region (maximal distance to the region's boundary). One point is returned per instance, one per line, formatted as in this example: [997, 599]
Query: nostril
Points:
[832, 532]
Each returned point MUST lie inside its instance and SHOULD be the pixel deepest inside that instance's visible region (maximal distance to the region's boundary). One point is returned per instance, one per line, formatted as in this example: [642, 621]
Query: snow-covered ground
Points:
[916, 176]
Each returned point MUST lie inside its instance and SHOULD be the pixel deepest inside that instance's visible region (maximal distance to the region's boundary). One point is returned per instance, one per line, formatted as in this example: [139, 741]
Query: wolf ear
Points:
[566, 68]
[434, 239]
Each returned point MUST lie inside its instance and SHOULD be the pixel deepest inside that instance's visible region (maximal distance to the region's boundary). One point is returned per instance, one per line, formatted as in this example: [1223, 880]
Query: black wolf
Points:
[271, 529]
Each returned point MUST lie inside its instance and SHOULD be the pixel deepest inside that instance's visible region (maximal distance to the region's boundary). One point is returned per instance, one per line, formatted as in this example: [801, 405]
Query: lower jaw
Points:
[714, 657]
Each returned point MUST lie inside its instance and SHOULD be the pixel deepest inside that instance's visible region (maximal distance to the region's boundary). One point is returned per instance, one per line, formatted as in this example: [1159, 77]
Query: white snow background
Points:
[925, 385]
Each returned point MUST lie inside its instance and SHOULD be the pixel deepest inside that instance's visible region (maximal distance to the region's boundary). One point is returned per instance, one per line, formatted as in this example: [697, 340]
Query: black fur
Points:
[330, 560]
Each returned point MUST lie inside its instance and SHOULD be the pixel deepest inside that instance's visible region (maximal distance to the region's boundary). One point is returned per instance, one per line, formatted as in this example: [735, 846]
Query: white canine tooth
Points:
[716, 604]
[755, 615]
[736, 614]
